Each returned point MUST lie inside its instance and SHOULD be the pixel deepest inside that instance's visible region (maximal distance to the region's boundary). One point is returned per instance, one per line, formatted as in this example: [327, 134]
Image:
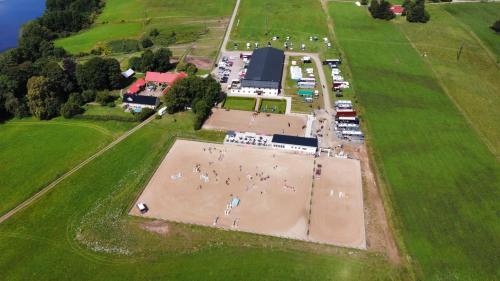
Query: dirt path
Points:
[229, 29]
[49, 187]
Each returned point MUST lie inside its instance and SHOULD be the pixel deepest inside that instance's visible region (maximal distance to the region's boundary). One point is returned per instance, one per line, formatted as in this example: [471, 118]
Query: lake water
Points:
[13, 14]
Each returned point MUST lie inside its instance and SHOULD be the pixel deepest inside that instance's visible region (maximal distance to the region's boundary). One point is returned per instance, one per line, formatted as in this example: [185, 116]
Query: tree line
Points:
[414, 11]
[36, 77]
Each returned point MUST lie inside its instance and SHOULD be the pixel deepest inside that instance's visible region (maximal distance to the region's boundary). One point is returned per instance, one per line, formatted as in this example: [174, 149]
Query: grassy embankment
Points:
[442, 179]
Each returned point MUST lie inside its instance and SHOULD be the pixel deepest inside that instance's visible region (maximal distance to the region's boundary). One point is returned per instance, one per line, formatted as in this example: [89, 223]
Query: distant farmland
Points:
[442, 179]
[186, 21]
[473, 81]
[298, 19]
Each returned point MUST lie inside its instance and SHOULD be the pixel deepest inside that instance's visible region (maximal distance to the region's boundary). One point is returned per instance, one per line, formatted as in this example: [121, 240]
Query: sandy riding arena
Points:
[247, 189]
[337, 216]
[247, 121]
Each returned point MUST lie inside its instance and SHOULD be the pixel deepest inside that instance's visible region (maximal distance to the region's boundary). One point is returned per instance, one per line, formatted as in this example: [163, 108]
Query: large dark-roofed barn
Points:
[264, 71]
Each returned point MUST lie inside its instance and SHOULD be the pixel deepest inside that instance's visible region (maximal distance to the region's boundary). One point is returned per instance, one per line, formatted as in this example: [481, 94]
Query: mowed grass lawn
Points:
[239, 103]
[298, 19]
[473, 82]
[272, 106]
[34, 153]
[100, 110]
[123, 19]
[443, 181]
[82, 229]
[478, 17]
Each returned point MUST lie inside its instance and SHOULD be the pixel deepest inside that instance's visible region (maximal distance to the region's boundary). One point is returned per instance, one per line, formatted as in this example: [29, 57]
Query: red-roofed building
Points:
[397, 9]
[169, 77]
[137, 86]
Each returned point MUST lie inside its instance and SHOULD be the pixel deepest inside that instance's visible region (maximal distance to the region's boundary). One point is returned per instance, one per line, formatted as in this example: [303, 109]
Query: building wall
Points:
[136, 105]
[295, 148]
[253, 91]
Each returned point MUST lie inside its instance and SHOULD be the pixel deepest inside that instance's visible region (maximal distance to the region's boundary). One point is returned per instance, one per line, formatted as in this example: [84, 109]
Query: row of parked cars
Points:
[224, 69]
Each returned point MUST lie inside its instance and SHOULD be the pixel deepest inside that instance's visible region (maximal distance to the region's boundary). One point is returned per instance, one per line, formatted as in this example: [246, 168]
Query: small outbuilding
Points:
[138, 102]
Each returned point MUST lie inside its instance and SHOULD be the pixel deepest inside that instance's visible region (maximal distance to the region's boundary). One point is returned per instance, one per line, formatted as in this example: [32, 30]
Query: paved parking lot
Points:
[234, 70]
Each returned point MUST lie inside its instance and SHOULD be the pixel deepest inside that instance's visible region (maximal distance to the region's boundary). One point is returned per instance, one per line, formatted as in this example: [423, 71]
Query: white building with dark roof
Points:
[264, 73]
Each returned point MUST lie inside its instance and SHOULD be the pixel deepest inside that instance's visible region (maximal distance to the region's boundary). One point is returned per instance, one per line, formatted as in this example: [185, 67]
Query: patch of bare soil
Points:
[156, 226]
[201, 63]
[379, 236]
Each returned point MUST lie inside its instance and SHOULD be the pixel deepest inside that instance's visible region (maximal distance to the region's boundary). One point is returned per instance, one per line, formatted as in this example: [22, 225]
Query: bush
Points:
[496, 26]
[154, 32]
[381, 10]
[124, 46]
[70, 109]
[144, 114]
[104, 98]
[189, 68]
[146, 43]
[364, 2]
[88, 96]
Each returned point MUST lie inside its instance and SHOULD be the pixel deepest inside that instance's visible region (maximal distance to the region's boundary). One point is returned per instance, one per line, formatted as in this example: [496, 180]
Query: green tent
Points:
[305, 92]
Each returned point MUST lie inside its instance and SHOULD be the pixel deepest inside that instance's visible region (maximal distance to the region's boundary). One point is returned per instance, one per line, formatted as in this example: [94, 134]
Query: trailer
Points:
[343, 102]
[351, 133]
[347, 119]
[347, 126]
[307, 79]
[306, 85]
[347, 113]
[343, 106]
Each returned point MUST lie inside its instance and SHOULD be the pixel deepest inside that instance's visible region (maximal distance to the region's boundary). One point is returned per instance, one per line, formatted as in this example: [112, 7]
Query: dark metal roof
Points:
[293, 140]
[146, 100]
[265, 69]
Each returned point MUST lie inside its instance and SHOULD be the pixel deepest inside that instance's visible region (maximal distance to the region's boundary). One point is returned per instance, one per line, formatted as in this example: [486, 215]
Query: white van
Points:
[142, 208]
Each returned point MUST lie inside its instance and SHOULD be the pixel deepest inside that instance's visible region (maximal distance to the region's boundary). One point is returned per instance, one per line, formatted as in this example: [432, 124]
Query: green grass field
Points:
[273, 106]
[478, 17]
[193, 20]
[99, 110]
[81, 229]
[35, 153]
[298, 19]
[442, 179]
[473, 81]
[239, 103]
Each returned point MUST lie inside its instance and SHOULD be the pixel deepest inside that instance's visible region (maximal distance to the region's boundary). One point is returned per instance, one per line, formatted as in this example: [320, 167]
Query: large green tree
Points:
[381, 9]
[417, 12]
[39, 97]
[158, 60]
[200, 94]
[99, 74]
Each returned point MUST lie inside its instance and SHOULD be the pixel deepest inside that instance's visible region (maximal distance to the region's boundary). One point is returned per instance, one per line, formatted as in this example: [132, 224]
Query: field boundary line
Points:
[50, 186]
[441, 83]
[490, 54]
